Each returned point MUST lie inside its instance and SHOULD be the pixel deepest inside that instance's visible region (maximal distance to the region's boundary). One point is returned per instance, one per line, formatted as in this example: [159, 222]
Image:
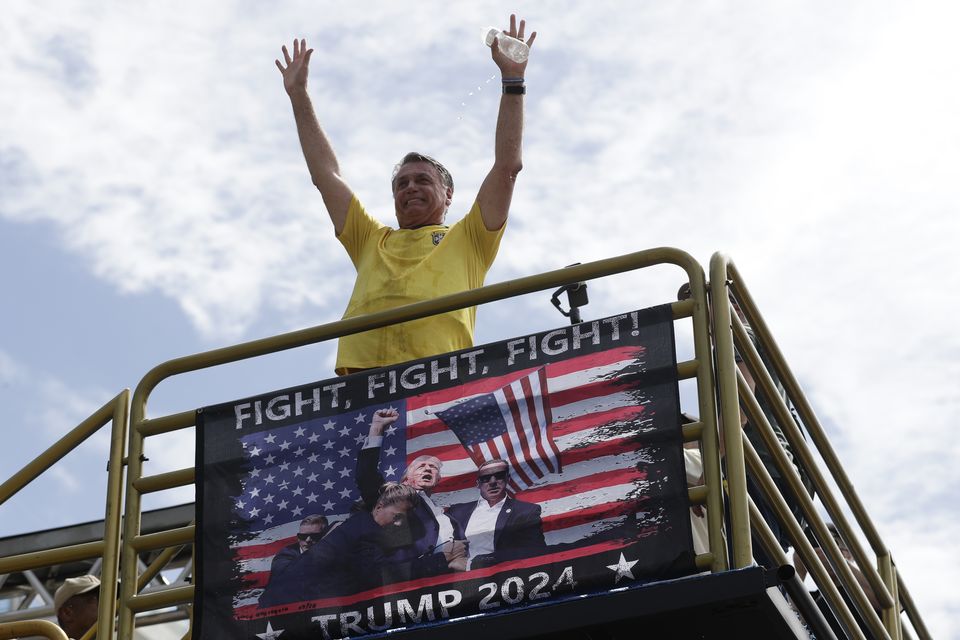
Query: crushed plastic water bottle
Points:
[516, 50]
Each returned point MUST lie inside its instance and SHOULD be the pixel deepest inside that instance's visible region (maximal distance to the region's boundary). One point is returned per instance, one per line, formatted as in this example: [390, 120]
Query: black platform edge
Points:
[731, 604]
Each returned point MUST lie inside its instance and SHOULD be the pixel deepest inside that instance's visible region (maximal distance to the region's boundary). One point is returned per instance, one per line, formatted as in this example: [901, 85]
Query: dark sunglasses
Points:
[487, 477]
[303, 537]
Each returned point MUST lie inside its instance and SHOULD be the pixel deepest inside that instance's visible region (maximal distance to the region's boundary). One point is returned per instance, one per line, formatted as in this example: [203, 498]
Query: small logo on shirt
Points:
[438, 236]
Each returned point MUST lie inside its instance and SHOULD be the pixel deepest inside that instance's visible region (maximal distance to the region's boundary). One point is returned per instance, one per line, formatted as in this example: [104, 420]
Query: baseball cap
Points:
[72, 587]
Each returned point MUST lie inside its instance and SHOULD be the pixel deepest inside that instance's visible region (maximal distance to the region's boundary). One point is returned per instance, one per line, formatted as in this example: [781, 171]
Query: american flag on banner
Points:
[586, 468]
[509, 424]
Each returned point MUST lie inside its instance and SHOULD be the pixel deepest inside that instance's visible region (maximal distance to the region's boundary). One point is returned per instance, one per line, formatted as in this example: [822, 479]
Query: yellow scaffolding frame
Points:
[730, 336]
[108, 549]
[721, 392]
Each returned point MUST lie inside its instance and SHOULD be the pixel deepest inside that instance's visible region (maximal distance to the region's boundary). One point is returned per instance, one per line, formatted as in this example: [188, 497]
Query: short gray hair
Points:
[415, 156]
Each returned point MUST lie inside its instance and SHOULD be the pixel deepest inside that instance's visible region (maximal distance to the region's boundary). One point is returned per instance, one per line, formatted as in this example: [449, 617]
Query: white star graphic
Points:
[344, 473]
[299, 432]
[390, 451]
[268, 519]
[327, 506]
[299, 452]
[622, 569]
[328, 465]
[270, 438]
[282, 505]
[344, 452]
[269, 479]
[391, 430]
[345, 493]
[254, 512]
[313, 498]
[328, 444]
[298, 471]
[344, 432]
[312, 457]
[297, 511]
[284, 445]
[389, 471]
[269, 634]
[360, 418]
[255, 451]
[326, 485]
[255, 473]
[312, 477]
[269, 459]
[329, 425]
[313, 438]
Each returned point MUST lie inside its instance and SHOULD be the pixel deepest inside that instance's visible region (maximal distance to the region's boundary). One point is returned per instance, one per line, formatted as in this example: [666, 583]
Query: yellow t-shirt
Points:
[398, 267]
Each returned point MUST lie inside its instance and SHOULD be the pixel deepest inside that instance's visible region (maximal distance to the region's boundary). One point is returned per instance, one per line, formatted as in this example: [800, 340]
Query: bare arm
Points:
[317, 150]
[496, 191]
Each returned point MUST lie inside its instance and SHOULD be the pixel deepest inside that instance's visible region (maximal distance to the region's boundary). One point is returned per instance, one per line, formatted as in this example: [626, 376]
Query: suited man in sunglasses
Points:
[498, 527]
[312, 529]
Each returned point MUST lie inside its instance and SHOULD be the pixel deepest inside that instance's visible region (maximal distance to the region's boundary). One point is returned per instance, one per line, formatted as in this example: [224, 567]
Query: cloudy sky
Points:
[154, 203]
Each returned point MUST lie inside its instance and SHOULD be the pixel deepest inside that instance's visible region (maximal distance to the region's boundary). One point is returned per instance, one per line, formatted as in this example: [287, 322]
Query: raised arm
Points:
[317, 150]
[497, 188]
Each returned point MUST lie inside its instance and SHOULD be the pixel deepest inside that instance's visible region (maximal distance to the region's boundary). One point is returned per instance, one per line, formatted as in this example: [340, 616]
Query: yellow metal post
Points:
[730, 415]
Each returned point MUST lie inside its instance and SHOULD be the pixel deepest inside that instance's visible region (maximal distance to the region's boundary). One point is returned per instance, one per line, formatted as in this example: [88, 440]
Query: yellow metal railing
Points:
[108, 549]
[24, 628]
[142, 427]
[723, 390]
[730, 336]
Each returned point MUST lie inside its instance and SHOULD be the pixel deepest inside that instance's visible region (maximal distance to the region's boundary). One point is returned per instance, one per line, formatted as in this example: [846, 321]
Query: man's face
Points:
[79, 613]
[424, 475]
[309, 535]
[393, 514]
[492, 481]
[419, 195]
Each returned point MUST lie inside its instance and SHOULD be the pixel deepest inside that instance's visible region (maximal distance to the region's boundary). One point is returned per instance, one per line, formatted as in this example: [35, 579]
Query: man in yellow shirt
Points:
[422, 259]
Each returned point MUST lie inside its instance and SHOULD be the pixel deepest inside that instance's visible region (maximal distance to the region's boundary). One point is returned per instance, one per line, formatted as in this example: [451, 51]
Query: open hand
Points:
[296, 69]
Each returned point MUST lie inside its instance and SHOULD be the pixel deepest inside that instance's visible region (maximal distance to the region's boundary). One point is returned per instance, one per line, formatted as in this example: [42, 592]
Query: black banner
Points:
[506, 475]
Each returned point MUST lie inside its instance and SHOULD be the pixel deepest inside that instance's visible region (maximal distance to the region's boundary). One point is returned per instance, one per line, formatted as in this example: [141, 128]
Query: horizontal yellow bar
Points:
[160, 599]
[49, 557]
[698, 495]
[704, 561]
[692, 431]
[161, 481]
[687, 369]
[166, 424]
[162, 539]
